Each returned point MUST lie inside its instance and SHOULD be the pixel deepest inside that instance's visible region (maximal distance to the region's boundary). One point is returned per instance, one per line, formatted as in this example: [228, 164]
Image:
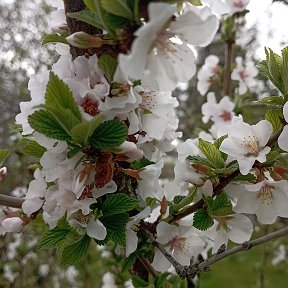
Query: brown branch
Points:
[204, 266]
[147, 265]
[228, 67]
[11, 201]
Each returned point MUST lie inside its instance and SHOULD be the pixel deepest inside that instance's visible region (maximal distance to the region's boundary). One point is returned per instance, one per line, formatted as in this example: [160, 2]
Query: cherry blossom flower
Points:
[220, 113]
[245, 74]
[237, 228]
[164, 62]
[267, 199]
[132, 228]
[283, 138]
[208, 74]
[180, 242]
[3, 173]
[246, 143]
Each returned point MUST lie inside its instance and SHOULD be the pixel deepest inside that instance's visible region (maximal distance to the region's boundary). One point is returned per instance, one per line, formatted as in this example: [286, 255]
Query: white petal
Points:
[241, 229]
[283, 139]
[160, 262]
[96, 229]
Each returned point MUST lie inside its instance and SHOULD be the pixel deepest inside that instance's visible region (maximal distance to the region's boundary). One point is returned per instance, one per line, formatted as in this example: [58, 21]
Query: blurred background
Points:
[23, 264]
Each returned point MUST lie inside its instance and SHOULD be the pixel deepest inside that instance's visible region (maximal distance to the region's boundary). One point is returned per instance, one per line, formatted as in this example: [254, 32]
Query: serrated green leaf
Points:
[43, 122]
[118, 8]
[108, 65]
[34, 149]
[138, 282]
[4, 153]
[219, 141]
[202, 220]
[219, 206]
[137, 165]
[82, 131]
[116, 232]
[54, 38]
[274, 117]
[72, 254]
[118, 203]
[58, 94]
[54, 237]
[212, 153]
[262, 66]
[109, 134]
[73, 151]
[273, 101]
[199, 160]
[129, 261]
[87, 17]
[65, 117]
[284, 67]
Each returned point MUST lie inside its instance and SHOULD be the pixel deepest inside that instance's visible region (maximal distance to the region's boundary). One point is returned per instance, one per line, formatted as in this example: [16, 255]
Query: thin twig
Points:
[11, 201]
[204, 266]
[147, 265]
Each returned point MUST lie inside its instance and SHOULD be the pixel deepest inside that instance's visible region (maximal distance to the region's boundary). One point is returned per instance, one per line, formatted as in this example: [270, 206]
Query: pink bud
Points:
[83, 40]
[13, 224]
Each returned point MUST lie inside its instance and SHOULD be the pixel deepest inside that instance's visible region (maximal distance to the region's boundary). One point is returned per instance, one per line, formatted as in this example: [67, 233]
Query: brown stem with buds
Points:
[11, 201]
[228, 67]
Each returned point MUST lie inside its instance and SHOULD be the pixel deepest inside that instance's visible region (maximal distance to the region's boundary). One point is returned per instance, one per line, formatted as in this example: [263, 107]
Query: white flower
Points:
[132, 228]
[180, 242]
[13, 224]
[164, 62]
[246, 143]
[148, 184]
[3, 173]
[245, 74]
[184, 172]
[208, 74]
[35, 196]
[237, 228]
[267, 199]
[283, 138]
[220, 113]
[219, 6]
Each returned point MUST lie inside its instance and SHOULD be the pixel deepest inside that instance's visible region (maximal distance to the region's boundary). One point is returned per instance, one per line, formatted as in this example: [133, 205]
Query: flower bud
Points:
[3, 173]
[83, 40]
[13, 224]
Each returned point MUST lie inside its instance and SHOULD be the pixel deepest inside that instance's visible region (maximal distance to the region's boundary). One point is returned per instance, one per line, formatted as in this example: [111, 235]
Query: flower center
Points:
[239, 4]
[265, 194]
[243, 74]
[251, 145]
[226, 116]
[148, 100]
[163, 44]
[177, 243]
[90, 107]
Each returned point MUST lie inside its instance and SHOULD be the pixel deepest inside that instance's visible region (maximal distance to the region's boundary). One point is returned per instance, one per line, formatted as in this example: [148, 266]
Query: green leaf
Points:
[58, 94]
[137, 165]
[65, 117]
[273, 101]
[246, 178]
[43, 122]
[109, 134]
[284, 67]
[275, 118]
[87, 17]
[115, 225]
[211, 153]
[91, 5]
[138, 282]
[108, 65]
[117, 7]
[219, 141]
[73, 253]
[118, 203]
[54, 38]
[54, 237]
[263, 69]
[4, 153]
[82, 131]
[220, 205]
[199, 160]
[73, 151]
[129, 261]
[202, 220]
[195, 2]
[274, 66]
[34, 149]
